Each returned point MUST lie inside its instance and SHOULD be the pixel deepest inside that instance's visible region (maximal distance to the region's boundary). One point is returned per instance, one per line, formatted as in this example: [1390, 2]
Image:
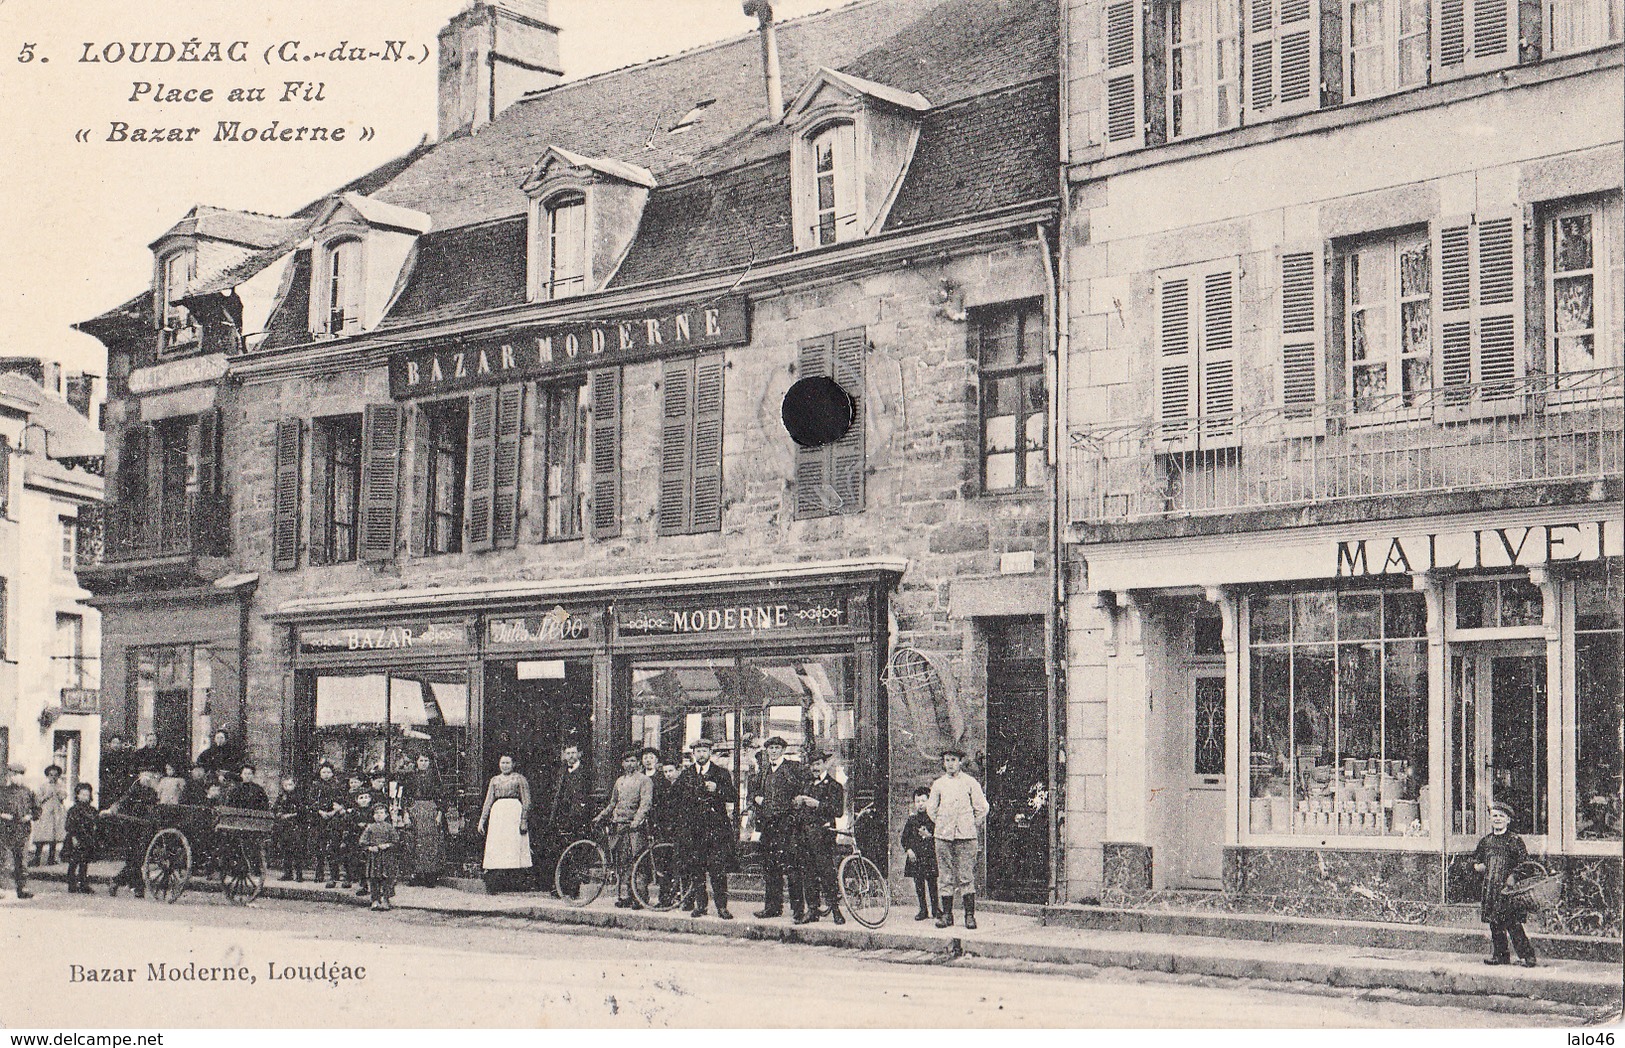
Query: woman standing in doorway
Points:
[424, 795]
[51, 826]
[505, 821]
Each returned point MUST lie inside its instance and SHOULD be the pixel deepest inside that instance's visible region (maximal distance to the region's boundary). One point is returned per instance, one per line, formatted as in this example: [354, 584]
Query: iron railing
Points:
[1536, 429]
[116, 533]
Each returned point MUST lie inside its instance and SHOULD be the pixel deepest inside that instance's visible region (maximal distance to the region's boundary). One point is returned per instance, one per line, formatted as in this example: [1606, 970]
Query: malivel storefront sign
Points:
[570, 346]
[1486, 548]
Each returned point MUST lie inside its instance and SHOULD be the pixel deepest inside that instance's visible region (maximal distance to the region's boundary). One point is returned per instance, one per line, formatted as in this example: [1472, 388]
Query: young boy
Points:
[1497, 855]
[293, 830]
[628, 809]
[920, 851]
[958, 808]
[379, 841]
[79, 843]
[355, 866]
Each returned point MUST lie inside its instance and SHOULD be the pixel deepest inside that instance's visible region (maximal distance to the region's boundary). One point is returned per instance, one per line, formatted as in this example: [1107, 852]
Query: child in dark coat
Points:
[920, 852]
[1497, 855]
[79, 840]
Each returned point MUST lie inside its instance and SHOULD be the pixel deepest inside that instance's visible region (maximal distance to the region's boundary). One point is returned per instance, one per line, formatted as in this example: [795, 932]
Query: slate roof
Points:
[248, 228]
[71, 434]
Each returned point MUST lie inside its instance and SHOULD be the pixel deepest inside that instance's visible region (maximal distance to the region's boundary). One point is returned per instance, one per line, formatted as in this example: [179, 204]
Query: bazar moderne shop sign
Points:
[424, 635]
[1521, 546]
[775, 613]
[551, 349]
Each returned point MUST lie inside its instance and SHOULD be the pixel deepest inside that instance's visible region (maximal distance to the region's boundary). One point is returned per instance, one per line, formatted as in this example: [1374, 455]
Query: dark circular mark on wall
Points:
[817, 411]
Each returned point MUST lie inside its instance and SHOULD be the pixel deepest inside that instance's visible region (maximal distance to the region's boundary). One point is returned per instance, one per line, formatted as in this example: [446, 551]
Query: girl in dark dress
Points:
[1497, 855]
[79, 843]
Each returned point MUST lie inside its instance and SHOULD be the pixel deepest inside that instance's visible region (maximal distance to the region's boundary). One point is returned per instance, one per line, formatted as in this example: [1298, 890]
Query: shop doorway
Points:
[1018, 845]
[1198, 860]
[1498, 735]
[532, 708]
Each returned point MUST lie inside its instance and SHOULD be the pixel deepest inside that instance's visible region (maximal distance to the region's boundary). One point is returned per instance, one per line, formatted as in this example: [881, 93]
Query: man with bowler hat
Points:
[777, 787]
[816, 811]
[17, 813]
[705, 824]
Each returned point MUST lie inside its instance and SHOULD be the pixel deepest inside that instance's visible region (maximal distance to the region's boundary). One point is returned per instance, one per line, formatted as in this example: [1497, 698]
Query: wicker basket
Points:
[1533, 888]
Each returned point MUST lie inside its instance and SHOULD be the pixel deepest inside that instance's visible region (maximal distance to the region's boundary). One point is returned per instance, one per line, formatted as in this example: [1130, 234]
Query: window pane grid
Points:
[1571, 290]
[1015, 416]
[1204, 67]
[566, 248]
[1390, 331]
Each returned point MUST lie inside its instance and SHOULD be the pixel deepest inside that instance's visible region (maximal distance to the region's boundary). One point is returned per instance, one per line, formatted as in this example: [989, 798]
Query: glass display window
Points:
[1338, 714]
[386, 719]
[1599, 704]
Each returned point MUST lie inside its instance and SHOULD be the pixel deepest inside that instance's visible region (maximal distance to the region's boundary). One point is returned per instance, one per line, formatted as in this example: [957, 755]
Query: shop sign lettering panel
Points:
[1484, 549]
[553, 349]
[559, 626]
[395, 636]
[773, 614]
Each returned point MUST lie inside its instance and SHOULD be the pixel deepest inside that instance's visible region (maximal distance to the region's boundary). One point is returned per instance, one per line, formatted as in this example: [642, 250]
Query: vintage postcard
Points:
[690, 514]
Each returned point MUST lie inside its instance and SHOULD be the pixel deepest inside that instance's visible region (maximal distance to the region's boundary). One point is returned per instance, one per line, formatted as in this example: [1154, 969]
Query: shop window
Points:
[1385, 47]
[1008, 341]
[335, 488]
[1389, 310]
[1599, 699]
[1498, 604]
[808, 700]
[690, 498]
[1579, 25]
[386, 720]
[1203, 44]
[444, 450]
[1583, 273]
[564, 458]
[171, 687]
[1338, 714]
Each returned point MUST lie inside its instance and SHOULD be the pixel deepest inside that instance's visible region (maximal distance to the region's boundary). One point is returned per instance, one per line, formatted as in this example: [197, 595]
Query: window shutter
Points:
[380, 479]
[676, 454]
[1452, 248]
[285, 526]
[321, 506]
[1494, 35]
[1217, 372]
[354, 286]
[706, 508]
[1125, 57]
[606, 452]
[505, 498]
[1302, 381]
[848, 208]
[482, 433]
[814, 494]
[1480, 307]
[1283, 54]
[847, 466]
[1450, 39]
[1176, 364]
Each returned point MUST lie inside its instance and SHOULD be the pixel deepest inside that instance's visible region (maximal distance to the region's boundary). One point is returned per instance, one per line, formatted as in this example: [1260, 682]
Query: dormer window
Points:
[835, 207]
[340, 288]
[176, 273]
[566, 247]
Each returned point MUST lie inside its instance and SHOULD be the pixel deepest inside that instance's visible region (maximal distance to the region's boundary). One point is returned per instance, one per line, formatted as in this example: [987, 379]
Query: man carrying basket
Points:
[1497, 856]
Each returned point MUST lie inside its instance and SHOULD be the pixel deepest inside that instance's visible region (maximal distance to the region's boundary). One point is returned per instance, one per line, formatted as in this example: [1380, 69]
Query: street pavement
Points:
[436, 969]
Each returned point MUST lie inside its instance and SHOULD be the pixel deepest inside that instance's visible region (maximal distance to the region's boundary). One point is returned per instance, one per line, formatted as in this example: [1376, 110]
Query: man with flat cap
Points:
[1496, 857]
[816, 811]
[705, 805]
[958, 808]
[778, 785]
[17, 813]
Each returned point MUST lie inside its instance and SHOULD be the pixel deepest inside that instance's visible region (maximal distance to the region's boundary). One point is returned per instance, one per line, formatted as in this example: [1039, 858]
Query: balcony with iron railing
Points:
[1488, 440]
[117, 533]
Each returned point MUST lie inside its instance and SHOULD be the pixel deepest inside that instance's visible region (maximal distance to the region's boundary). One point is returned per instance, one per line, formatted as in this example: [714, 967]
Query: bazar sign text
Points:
[387, 637]
[1487, 548]
[568, 346]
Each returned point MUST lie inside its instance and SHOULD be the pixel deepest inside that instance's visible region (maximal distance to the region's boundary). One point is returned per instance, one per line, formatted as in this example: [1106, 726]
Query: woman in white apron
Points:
[505, 821]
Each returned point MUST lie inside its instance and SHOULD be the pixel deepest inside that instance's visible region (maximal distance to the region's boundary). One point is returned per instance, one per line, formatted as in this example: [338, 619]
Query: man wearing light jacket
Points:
[958, 808]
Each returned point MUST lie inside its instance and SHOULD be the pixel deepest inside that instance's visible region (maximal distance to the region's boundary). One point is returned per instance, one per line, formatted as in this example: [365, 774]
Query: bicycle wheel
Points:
[864, 891]
[167, 867]
[243, 871]
[658, 881]
[582, 872]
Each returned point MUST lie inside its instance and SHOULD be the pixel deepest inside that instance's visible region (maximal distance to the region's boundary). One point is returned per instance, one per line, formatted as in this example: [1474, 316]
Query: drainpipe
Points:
[1060, 444]
[763, 12]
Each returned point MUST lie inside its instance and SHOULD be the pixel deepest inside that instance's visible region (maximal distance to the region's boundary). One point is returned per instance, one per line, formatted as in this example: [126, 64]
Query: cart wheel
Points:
[658, 882]
[167, 867]
[864, 891]
[243, 876]
[584, 867]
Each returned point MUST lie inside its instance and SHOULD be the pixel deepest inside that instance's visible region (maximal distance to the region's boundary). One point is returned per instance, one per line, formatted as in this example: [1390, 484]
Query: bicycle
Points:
[864, 891]
[586, 863]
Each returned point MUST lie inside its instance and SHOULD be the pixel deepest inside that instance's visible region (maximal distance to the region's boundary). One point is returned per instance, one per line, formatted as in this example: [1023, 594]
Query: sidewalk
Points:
[1007, 938]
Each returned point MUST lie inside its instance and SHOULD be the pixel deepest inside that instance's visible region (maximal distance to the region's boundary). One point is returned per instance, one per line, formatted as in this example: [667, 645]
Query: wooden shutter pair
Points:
[1472, 36]
[1282, 40]
[690, 496]
[1123, 33]
[1196, 357]
[495, 426]
[830, 479]
[1478, 311]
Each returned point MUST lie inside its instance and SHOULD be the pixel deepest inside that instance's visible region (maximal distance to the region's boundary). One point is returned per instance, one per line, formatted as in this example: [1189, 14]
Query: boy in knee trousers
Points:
[958, 809]
[920, 856]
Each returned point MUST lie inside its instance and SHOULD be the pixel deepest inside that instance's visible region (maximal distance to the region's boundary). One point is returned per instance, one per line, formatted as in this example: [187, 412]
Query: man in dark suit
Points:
[569, 816]
[248, 793]
[777, 786]
[816, 812]
[705, 821]
[137, 805]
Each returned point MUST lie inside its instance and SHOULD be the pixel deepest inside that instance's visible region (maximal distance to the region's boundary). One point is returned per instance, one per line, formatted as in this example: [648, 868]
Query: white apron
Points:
[505, 847]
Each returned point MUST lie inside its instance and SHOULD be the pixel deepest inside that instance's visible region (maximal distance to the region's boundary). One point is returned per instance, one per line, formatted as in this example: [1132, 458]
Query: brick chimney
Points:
[490, 55]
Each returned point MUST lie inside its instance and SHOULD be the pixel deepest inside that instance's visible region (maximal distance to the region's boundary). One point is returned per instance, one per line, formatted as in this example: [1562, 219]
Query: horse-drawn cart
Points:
[193, 838]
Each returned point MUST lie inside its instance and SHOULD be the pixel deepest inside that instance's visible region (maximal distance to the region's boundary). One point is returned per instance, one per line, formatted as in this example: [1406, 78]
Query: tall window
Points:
[834, 207]
[1386, 48]
[1387, 286]
[446, 456]
[1009, 342]
[564, 458]
[69, 529]
[566, 247]
[70, 651]
[337, 454]
[1338, 713]
[178, 271]
[342, 280]
[1204, 67]
[1578, 25]
[1599, 749]
[1582, 271]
